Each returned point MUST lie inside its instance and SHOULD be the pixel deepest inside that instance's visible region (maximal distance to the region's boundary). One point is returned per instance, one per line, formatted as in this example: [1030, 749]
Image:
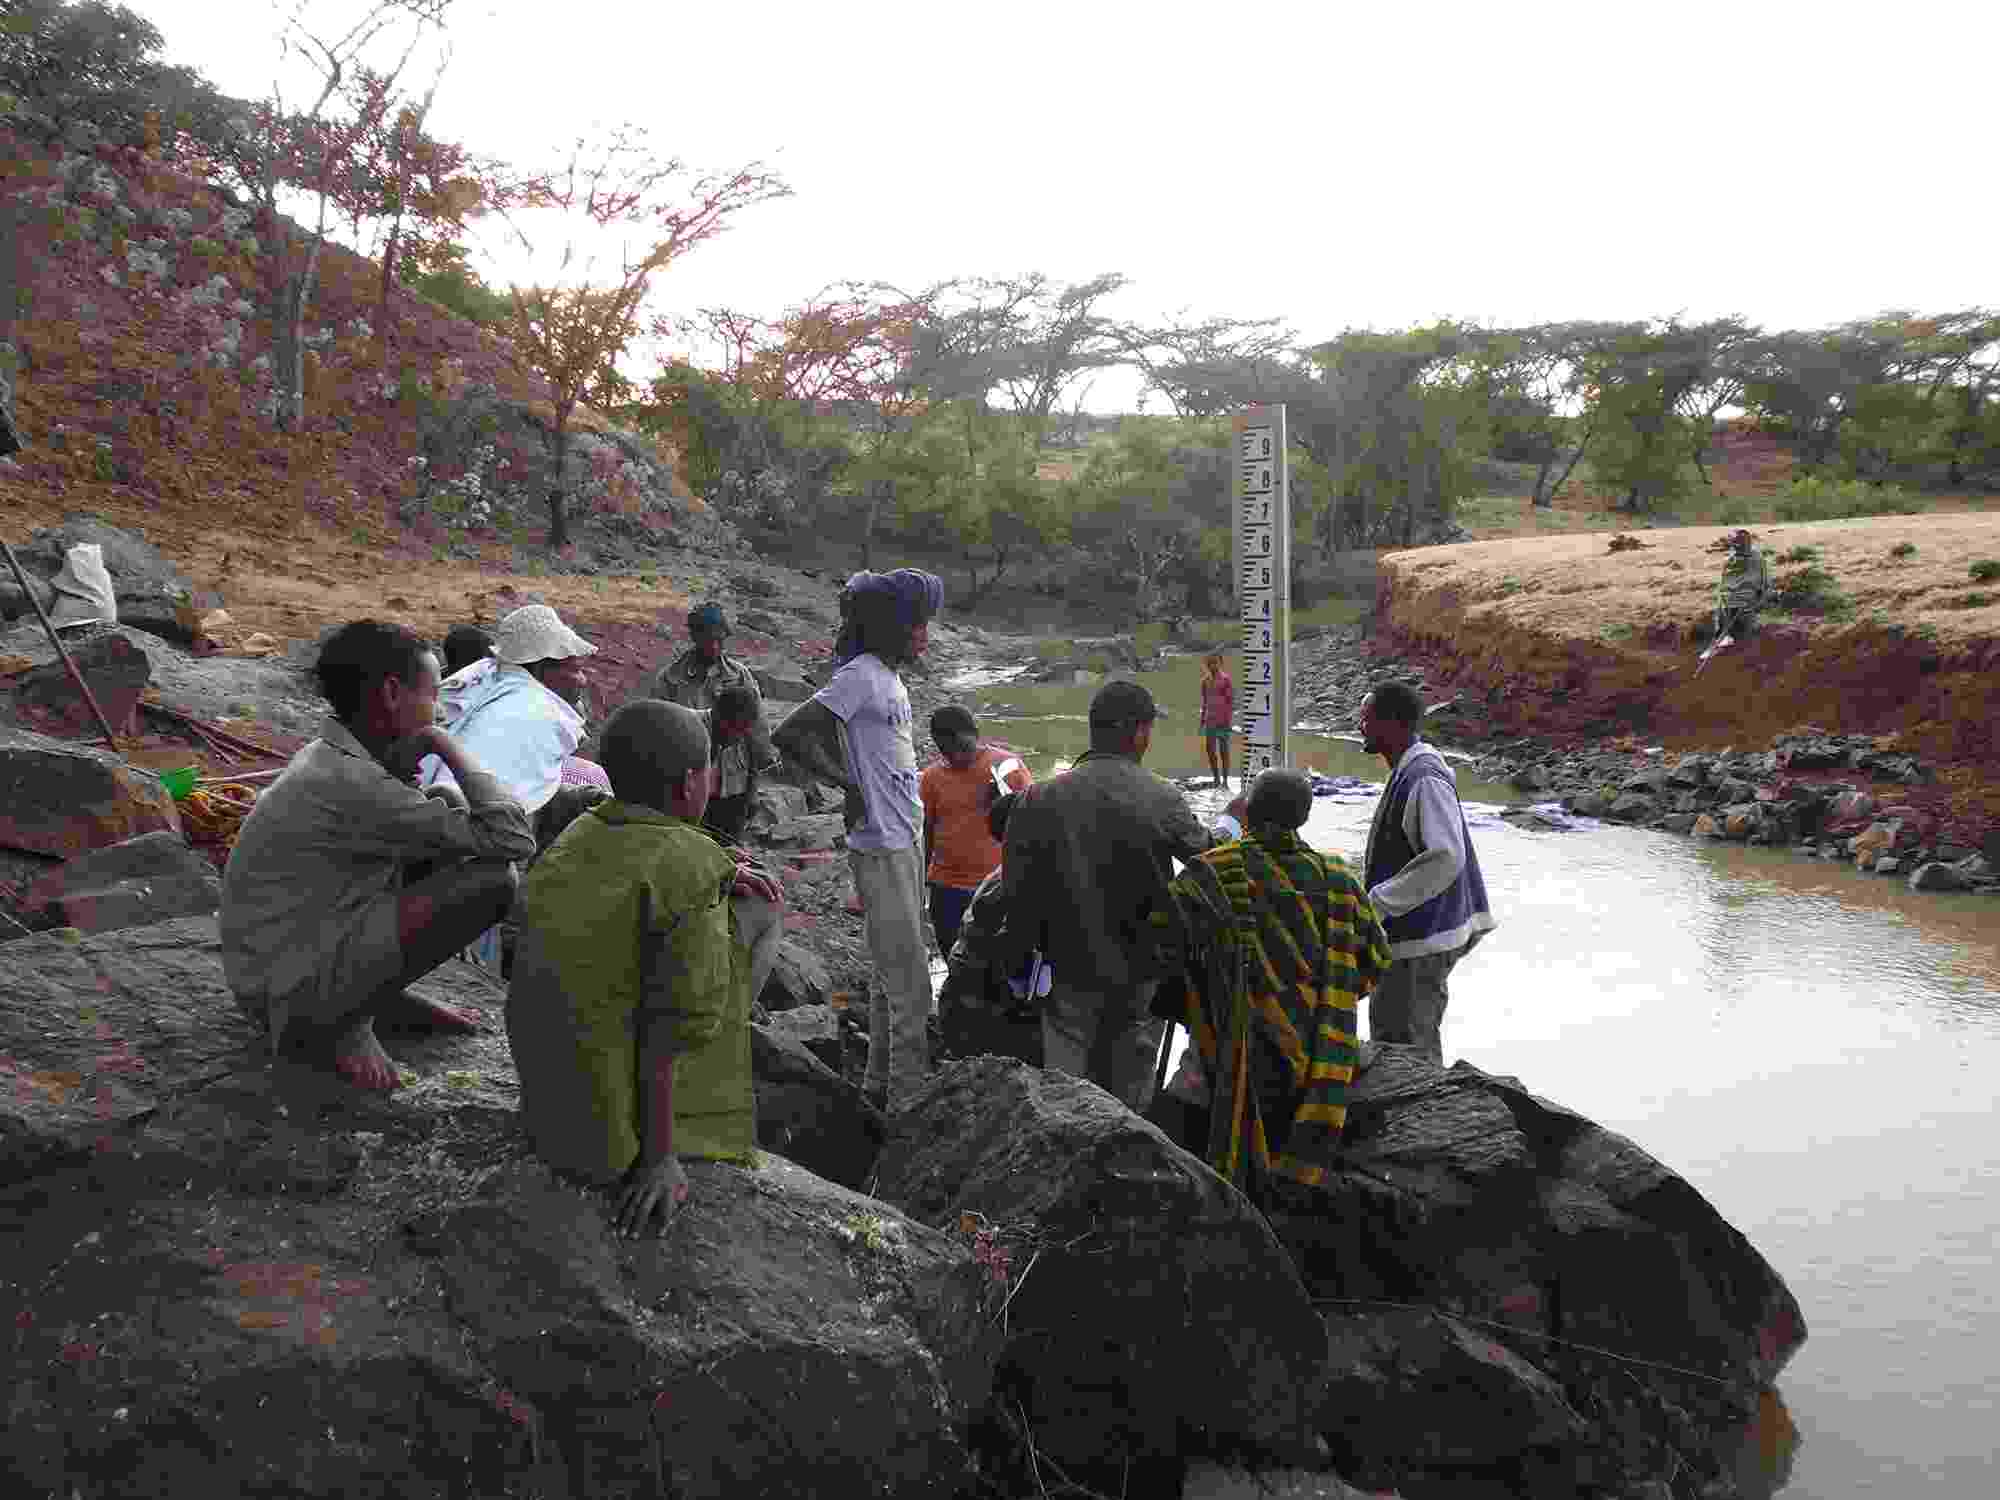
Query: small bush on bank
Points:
[1816, 498]
[1986, 570]
[1801, 555]
[1903, 549]
[1811, 590]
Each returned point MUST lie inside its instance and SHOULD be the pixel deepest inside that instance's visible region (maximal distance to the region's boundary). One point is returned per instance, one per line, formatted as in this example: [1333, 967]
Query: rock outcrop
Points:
[63, 799]
[229, 1276]
[1145, 1298]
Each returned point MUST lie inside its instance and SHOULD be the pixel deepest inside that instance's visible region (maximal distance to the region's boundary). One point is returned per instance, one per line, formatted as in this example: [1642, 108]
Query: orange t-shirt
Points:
[956, 802]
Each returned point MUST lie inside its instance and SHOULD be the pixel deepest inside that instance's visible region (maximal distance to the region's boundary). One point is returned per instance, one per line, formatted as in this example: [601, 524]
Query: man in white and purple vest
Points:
[1421, 872]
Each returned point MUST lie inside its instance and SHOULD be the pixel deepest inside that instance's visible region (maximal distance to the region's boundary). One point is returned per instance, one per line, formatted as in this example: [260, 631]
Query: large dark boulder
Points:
[229, 1276]
[807, 1111]
[63, 799]
[798, 977]
[153, 595]
[1145, 1299]
[1461, 1193]
[116, 671]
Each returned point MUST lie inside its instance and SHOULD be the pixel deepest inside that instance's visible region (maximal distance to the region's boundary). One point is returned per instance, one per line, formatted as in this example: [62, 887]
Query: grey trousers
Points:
[760, 928]
[1107, 1037]
[1409, 1001]
[891, 886]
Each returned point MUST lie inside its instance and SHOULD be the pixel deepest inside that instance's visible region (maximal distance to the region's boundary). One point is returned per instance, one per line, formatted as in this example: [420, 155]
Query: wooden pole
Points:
[61, 650]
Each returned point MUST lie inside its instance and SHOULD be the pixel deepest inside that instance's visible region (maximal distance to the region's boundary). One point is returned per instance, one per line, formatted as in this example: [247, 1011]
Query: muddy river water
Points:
[1815, 1049]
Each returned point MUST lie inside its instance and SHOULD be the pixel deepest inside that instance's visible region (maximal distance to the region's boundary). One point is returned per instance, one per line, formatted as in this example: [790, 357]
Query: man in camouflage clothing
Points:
[1745, 585]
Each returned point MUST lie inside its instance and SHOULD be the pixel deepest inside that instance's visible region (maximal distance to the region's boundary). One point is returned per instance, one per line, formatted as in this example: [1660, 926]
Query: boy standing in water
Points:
[1218, 708]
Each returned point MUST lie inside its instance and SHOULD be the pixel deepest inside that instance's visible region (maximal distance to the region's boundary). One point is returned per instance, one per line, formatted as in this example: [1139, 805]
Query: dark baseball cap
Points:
[1123, 703]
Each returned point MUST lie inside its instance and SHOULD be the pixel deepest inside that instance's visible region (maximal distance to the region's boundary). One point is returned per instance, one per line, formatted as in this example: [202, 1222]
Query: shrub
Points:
[1811, 590]
[1801, 555]
[1731, 513]
[1903, 549]
[1986, 570]
[207, 248]
[1816, 498]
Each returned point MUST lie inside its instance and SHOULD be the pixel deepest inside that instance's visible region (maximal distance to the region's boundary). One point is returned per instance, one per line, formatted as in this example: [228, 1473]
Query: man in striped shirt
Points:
[1279, 944]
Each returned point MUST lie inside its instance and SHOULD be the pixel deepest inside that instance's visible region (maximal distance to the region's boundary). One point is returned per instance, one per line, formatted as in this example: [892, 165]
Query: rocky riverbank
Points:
[1849, 797]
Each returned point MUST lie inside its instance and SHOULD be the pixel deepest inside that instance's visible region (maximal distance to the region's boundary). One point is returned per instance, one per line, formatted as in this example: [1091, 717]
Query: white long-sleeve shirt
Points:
[1435, 828]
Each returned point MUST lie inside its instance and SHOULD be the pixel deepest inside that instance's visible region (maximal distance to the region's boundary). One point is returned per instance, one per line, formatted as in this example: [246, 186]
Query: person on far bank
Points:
[855, 732]
[1089, 855]
[957, 792]
[1218, 713]
[1421, 872]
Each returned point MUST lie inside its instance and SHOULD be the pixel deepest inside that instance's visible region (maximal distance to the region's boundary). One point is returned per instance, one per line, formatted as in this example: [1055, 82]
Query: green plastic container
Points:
[179, 783]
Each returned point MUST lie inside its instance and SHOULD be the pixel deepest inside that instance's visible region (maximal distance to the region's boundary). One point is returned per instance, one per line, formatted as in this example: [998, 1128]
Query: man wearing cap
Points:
[1089, 856]
[957, 792]
[855, 732]
[695, 679]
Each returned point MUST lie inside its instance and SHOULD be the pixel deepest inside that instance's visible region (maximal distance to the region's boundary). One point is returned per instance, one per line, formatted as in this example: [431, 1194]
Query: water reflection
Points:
[1817, 1050]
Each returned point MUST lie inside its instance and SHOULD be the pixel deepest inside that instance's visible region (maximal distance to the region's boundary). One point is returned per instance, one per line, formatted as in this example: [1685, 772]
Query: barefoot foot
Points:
[359, 1058]
[412, 1012]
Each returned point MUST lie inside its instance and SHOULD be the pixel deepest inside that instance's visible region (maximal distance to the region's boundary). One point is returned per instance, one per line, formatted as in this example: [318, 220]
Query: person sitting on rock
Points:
[697, 678]
[979, 1011]
[629, 1006]
[517, 709]
[347, 883]
[1743, 589]
[464, 645]
[1278, 943]
[957, 791]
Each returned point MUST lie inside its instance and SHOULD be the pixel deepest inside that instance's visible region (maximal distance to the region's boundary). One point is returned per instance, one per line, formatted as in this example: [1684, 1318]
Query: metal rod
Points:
[61, 650]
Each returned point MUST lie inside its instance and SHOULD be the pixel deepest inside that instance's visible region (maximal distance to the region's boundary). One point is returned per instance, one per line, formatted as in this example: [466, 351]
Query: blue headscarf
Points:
[874, 604]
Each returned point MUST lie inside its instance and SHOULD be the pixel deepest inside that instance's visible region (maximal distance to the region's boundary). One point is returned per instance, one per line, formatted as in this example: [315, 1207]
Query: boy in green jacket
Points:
[629, 1010]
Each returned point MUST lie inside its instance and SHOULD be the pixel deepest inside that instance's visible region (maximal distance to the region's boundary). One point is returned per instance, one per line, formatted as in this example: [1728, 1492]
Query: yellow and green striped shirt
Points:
[1270, 996]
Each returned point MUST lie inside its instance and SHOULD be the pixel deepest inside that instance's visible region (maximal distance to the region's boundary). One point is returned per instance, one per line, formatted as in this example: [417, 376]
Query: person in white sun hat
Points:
[519, 705]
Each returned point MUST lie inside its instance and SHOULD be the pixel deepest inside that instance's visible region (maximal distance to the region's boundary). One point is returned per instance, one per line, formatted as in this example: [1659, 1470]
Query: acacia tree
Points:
[573, 332]
[311, 150]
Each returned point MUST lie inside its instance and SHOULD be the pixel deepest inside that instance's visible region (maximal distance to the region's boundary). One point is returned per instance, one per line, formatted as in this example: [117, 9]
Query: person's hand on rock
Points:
[661, 1189]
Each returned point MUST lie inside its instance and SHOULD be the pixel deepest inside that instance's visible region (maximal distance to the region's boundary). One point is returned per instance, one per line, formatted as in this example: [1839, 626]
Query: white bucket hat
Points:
[534, 632]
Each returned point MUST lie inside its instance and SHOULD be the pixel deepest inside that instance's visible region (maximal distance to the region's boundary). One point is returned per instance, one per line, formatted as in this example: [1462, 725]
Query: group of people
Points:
[446, 802]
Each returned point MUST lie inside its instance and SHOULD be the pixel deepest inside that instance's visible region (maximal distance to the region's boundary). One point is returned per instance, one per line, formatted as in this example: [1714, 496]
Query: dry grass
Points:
[1571, 585]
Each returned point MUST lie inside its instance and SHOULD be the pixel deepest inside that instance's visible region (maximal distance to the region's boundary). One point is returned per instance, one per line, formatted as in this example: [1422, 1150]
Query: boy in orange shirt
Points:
[957, 793]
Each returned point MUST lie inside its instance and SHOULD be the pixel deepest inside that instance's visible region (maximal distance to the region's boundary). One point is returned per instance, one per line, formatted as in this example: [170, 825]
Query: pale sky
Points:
[1335, 164]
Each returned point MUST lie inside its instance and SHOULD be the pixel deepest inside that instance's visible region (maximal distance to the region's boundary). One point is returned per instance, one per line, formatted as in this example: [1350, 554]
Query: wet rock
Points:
[1591, 804]
[1409, 1388]
[798, 977]
[1814, 755]
[1631, 807]
[1459, 1188]
[1937, 876]
[1691, 771]
[63, 799]
[46, 698]
[1650, 782]
[1741, 822]
[1990, 848]
[1887, 864]
[1146, 1293]
[1682, 822]
[1955, 854]
[808, 1112]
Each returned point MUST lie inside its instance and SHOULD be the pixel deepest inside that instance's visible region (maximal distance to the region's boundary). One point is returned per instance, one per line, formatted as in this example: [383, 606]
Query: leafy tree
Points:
[1654, 390]
[573, 332]
[88, 60]
[1137, 503]
[1212, 366]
